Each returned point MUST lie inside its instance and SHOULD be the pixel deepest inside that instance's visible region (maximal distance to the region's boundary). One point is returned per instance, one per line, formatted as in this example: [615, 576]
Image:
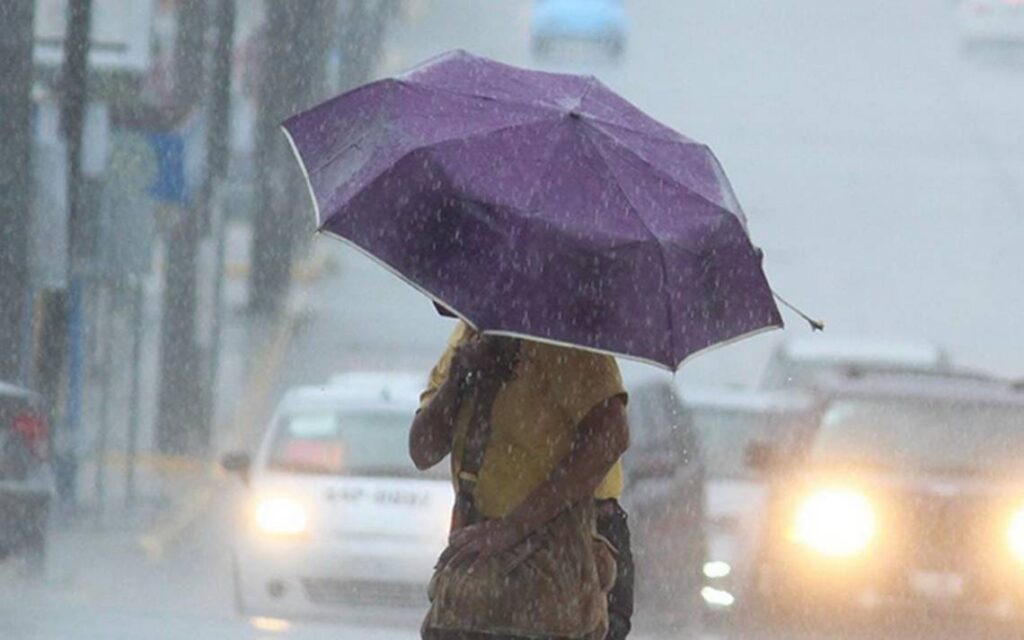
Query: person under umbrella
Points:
[563, 226]
[558, 429]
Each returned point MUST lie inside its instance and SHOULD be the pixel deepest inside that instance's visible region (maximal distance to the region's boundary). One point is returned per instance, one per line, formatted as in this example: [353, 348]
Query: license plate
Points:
[937, 584]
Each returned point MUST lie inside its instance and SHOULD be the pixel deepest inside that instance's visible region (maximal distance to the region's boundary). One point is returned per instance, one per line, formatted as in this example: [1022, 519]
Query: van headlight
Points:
[1015, 534]
[280, 516]
[835, 522]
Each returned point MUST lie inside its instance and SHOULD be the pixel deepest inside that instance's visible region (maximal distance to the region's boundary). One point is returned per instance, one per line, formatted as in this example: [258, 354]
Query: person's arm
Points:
[430, 438]
[601, 439]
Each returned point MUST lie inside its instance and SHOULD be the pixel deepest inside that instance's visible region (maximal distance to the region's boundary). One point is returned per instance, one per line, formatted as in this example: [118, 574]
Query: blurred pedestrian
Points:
[535, 432]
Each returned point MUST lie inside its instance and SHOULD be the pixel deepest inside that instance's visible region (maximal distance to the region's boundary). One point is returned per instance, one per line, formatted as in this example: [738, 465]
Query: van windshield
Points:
[942, 436]
[348, 443]
[724, 436]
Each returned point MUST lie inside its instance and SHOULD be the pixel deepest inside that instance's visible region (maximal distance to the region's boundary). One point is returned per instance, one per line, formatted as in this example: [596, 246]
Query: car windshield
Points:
[347, 443]
[941, 436]
[724, 437]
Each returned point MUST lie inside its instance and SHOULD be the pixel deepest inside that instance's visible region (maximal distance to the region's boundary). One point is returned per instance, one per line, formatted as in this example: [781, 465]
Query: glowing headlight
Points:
[1015, 535]
[717, 597]
[717, 569]
[835, 522]
[280, 516]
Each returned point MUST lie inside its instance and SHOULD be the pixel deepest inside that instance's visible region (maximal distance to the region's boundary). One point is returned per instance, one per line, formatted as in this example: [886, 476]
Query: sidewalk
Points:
[171, 491]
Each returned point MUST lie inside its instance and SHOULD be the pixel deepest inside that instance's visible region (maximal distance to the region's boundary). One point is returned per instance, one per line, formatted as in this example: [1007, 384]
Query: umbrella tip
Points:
[575, 114]
[816, 325]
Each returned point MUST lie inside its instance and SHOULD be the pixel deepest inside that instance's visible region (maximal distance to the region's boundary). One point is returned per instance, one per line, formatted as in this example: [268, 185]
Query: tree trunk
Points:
[294, 57]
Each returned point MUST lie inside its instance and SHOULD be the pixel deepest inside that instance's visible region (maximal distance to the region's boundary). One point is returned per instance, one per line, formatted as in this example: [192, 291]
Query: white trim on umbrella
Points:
[305, 175]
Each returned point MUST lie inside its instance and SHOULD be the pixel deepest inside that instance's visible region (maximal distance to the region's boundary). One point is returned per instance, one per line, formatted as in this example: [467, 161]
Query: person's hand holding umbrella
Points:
[479, 358]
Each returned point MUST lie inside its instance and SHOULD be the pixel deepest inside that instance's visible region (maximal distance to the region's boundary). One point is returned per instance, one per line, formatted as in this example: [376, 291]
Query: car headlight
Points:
[280, 515]
[717, 569]
[835, 522]
[1015, 534]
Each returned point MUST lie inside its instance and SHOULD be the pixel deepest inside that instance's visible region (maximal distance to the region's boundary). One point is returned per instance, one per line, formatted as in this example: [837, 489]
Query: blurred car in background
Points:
[905, 492]
[26, 481]
[602, 22]
[727, 420]
[992, 21]
[335, 512]
[664, 494]
[806, 362]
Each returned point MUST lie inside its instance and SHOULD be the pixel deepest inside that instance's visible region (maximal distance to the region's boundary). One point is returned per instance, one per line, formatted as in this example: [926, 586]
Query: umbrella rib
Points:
[592, 84]
[661, 249]
[427, 146]
[476, 96]
[531, 201]
[387, 124]
[680, 139]
[668, 177]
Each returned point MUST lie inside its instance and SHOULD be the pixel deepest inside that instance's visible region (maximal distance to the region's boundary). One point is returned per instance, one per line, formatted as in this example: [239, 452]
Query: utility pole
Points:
[294, 54]
[74, 89]
[219, 130]
[363, 23]
[180, 395]
[218, 153]
[16, 41]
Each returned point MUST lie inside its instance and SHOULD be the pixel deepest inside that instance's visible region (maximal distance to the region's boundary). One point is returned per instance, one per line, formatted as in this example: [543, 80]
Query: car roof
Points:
[741, 398]
[899, 351]
[952, 386]
[357, 390]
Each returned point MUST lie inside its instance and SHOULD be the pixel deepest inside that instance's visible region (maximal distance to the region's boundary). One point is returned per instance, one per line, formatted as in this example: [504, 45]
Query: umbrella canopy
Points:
[539, 205]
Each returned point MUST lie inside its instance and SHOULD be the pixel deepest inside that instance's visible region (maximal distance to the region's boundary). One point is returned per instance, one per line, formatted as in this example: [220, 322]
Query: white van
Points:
[335, 512]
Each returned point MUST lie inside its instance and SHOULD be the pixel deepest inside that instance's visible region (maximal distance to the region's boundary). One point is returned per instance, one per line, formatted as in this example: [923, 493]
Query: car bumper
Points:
[854, 590]
[24, 511]
[296, 578]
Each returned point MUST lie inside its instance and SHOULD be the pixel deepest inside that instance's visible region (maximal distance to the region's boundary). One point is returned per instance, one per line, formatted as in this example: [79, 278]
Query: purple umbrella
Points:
[539, 205]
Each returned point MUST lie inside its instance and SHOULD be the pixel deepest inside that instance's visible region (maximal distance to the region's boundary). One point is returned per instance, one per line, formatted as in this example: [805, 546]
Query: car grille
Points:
[329, 591]
[949, 533]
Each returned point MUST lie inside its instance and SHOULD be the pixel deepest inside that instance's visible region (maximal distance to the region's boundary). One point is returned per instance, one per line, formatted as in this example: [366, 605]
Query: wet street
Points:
[873, 156]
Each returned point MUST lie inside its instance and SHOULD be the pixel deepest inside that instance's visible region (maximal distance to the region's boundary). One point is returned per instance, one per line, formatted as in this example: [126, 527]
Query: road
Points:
[881, 169]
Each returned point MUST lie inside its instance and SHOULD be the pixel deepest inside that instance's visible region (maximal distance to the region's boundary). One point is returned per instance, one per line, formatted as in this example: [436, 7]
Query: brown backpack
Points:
[553, 584]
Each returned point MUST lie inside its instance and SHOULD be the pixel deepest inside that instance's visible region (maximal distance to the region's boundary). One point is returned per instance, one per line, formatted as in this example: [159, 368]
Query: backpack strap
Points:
[474, 449]
[478, 434]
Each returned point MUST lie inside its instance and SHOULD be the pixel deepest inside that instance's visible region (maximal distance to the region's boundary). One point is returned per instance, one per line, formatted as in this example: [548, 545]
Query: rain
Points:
[779, 241]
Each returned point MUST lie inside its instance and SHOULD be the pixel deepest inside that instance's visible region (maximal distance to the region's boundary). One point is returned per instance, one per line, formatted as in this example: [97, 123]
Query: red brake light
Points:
[34, 430]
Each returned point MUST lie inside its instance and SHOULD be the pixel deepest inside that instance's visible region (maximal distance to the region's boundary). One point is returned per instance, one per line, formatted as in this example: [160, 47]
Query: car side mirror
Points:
[762, 457]
[237, 463]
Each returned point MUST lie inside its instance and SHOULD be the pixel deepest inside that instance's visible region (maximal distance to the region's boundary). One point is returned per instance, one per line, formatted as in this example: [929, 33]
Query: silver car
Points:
[730, 423]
